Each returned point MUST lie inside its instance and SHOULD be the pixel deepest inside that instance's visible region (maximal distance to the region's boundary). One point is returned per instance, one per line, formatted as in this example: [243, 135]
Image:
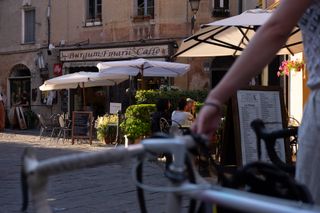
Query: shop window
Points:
[49, 97]
[145, 10]
[221, 8]
[94, 14]
[29, 25]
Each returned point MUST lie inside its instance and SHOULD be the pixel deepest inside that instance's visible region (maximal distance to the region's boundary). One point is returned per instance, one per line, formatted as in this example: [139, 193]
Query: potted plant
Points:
[137, 123]
[31, 119]
[106, 127]
[288, 66]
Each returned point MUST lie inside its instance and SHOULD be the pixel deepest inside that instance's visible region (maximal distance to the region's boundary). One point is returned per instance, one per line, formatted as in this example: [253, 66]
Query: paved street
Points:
[103, 189]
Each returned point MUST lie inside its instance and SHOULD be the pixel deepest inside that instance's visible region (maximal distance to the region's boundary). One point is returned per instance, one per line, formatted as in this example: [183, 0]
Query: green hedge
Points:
[137, 120]
[151, 96]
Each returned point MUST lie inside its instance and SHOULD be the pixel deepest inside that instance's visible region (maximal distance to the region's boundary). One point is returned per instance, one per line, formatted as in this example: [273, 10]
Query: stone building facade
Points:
[42, 39]
[23, 52]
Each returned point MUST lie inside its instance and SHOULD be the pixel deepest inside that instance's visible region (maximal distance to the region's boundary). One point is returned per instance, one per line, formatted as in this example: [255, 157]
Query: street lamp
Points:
[194, 4]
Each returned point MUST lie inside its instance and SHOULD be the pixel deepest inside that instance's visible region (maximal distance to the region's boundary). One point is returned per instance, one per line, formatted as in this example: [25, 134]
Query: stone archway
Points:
[19, 84]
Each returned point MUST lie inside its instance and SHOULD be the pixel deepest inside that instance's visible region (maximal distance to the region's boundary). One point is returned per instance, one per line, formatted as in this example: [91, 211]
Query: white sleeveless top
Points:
[308, 157]
[310, 28]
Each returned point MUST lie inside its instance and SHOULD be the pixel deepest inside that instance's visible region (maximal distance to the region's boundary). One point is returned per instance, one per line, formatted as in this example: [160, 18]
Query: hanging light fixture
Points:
[194, 4]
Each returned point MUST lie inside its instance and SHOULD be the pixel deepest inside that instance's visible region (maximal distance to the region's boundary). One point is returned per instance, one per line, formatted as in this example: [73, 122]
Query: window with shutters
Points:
[94, 14]
[145, 10]
[221, 8]
[29, 26]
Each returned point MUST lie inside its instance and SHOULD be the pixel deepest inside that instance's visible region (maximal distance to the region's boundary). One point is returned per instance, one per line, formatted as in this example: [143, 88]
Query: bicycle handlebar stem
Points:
[178, 147]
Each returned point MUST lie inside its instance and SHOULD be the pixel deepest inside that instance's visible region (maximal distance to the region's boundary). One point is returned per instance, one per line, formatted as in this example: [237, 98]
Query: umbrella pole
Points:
[84, 96]
[142, 85]
[130, 90]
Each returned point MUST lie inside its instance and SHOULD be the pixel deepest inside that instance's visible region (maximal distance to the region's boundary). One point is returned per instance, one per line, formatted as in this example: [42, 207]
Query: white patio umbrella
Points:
[230, 36]
[144, 67]
[83, 80]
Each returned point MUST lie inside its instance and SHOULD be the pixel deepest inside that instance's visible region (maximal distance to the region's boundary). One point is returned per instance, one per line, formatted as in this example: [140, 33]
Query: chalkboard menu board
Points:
[82, 125]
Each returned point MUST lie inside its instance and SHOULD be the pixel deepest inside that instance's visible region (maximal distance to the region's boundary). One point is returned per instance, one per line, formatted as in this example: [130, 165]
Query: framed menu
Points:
[265, 103]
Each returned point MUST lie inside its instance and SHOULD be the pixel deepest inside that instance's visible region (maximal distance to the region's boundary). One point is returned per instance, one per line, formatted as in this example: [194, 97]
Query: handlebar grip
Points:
[260, 130]
[270, 138]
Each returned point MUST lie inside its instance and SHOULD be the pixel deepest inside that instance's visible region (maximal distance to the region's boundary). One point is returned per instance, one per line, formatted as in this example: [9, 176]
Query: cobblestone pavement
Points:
[107, 188]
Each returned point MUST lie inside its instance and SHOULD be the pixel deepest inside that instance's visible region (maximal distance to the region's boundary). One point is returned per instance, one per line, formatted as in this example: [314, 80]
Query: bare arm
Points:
[262, 48]
[266, 43]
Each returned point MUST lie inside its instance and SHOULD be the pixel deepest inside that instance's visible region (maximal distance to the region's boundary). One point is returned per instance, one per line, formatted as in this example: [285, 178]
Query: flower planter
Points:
[107, 140]
[141, 18]
[130, 141]
[138, 140]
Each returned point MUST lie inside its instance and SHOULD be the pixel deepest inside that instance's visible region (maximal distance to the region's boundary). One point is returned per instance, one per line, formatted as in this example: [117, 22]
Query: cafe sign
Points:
[115, 53]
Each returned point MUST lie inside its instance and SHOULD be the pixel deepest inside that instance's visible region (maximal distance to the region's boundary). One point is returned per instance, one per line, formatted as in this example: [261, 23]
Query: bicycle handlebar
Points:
[259, 127]
[249, 202]
[270, 138]
[36, 174]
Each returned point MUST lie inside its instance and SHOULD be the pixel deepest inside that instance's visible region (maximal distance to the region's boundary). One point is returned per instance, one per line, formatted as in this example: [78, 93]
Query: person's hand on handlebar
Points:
[208, 120]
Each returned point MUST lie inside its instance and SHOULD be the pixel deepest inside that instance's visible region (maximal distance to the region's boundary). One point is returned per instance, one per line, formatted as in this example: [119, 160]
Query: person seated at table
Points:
[163, 111]
[191, 107]
[181, 117]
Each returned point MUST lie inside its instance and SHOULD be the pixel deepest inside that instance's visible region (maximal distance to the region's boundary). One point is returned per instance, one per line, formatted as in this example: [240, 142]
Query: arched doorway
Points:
[20, 84]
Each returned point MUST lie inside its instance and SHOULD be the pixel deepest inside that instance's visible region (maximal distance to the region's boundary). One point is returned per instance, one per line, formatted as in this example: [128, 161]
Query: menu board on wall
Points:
[82, 125]
[263, 103]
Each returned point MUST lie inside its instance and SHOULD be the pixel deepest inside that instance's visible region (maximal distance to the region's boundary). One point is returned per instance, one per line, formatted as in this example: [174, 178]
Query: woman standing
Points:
[266, 43]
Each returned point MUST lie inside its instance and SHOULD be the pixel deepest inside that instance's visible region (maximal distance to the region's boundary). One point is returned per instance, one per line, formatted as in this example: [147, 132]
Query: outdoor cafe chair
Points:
[65, 128]
[164, 125]
[44, 126]
[175, 127]
[54, 122]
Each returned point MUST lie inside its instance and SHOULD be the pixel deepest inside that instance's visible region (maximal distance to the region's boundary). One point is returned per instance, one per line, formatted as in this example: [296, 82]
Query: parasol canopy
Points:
[81, 79]
[230, 36]
[144, 67]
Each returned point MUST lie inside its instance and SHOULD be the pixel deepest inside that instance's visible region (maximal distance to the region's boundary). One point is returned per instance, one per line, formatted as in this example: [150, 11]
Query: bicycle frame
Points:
[37, 173]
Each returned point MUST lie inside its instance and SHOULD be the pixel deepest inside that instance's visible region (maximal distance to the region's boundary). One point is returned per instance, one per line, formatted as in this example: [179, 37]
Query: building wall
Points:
[14, 52]
[11, 25]
[172, 21]
[119, 23]
[249, 4]
[120, 26]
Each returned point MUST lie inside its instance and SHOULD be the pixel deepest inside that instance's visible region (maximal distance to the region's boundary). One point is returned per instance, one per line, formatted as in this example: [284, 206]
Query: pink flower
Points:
[278, 73]
[287, 66]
